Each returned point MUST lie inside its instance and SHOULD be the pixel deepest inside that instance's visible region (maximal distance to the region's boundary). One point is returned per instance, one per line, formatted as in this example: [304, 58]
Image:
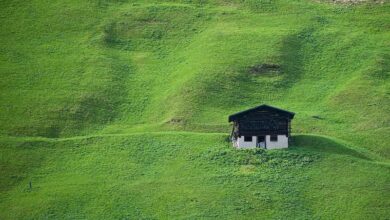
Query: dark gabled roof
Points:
[260, 107]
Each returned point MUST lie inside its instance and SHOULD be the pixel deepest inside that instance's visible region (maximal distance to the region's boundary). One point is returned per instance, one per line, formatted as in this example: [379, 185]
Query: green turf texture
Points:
[118, 109]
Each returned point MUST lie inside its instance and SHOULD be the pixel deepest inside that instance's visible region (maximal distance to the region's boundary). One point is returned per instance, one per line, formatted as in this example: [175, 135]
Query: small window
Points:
[274, 137]
[248, 138]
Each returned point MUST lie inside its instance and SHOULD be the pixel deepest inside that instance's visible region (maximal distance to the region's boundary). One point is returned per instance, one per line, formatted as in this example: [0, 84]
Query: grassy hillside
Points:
[119, 108]
[189, 175]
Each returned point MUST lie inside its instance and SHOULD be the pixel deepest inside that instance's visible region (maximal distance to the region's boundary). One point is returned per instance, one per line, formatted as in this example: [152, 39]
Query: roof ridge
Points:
[233, 116]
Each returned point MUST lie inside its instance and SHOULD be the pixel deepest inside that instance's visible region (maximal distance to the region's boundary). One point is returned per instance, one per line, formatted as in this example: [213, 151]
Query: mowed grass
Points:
[188, 175]
[118, 109]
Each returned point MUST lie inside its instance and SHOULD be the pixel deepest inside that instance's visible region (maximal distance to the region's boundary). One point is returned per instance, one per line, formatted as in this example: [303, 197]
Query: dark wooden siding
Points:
[263, 123]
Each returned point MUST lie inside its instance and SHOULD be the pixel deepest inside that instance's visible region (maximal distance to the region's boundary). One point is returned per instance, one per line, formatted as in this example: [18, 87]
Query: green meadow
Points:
[117, 109]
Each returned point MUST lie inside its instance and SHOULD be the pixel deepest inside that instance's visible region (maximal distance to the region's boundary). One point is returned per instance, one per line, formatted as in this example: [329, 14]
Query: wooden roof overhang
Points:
[266, 108]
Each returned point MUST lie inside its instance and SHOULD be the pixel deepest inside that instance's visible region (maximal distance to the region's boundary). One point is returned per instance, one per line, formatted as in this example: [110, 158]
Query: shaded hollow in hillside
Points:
[325, 145]
[264, 68]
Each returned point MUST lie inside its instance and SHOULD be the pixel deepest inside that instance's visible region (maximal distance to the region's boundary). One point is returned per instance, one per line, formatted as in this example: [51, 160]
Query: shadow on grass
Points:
[325, 145]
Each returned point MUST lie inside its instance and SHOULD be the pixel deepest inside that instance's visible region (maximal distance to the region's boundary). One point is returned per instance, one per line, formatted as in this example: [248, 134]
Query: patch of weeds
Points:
[321, 20]
[260, 157]
[261, 6]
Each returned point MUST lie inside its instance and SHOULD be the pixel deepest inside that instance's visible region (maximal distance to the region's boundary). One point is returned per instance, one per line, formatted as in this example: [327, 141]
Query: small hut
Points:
[263, 126]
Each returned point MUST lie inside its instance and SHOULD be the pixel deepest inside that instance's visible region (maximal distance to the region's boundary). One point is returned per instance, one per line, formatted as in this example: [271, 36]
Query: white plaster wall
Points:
[281, 143]
[242, 144]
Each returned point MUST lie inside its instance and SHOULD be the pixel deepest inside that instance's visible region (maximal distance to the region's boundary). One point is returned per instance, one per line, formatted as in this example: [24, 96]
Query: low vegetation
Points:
[188, 175]
[118, 109]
